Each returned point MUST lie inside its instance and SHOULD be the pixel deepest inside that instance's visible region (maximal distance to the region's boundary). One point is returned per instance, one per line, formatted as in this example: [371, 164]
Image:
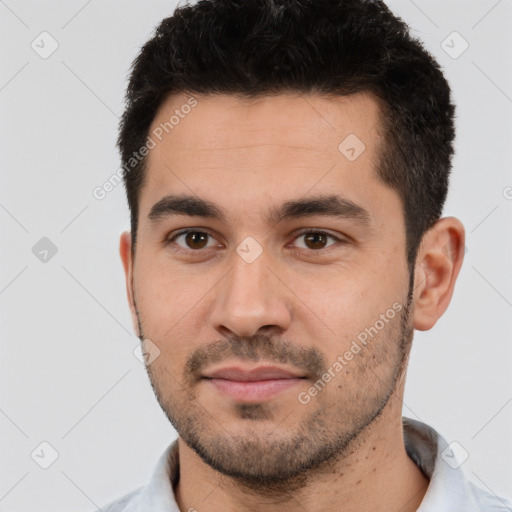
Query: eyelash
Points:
[178, 248]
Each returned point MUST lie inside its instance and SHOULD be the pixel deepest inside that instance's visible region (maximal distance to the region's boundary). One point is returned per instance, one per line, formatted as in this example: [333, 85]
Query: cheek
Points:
[164, 297]
[344, 302]
[164, 282]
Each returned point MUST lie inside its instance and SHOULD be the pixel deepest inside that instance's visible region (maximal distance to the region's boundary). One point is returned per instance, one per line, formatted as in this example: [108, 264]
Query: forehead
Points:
[264, 149]
[218, 121]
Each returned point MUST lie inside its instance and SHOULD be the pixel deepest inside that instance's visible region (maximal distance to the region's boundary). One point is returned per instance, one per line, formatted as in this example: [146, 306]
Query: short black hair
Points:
[256, 48]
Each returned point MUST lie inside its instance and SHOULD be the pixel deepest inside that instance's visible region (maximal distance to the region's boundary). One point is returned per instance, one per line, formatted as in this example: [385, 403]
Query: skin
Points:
[300, 304]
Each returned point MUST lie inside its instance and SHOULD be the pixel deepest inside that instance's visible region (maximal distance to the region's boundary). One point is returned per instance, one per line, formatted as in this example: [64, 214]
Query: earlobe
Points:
[438, 263]
[125, 251]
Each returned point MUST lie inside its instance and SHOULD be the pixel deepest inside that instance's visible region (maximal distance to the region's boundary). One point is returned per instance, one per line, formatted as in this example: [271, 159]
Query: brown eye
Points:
[196, 239]
[191, 240]
[316, 240]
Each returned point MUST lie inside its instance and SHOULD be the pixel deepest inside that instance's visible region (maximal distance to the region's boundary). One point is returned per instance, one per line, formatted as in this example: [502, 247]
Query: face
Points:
[266, 238]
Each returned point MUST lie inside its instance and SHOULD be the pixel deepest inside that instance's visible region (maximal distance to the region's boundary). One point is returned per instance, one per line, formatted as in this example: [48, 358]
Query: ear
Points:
[438, 263]
[125, 250]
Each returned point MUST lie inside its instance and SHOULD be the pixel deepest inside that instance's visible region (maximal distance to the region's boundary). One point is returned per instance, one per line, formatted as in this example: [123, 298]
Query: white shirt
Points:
[448, 490]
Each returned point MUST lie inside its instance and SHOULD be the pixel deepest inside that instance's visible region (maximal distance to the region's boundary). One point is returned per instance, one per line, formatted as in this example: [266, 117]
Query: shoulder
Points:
[123, 504]
[490, 502]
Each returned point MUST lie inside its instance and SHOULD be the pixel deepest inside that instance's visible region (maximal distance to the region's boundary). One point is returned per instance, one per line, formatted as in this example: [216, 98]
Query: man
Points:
[286, 165]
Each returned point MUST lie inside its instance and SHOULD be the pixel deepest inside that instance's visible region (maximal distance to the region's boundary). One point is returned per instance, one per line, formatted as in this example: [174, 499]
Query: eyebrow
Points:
[328, 206]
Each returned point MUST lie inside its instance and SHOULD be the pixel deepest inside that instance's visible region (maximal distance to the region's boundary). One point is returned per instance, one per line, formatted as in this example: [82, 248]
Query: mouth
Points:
[255, 384]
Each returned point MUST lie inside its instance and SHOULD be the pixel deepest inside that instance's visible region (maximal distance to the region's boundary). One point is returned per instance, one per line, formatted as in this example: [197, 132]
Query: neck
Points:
[376, 476]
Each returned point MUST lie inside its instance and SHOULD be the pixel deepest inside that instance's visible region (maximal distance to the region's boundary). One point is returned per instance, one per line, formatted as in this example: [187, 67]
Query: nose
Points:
[251, 298]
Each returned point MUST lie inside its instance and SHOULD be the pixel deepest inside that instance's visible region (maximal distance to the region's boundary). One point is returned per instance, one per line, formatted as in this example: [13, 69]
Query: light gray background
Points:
[68, 373]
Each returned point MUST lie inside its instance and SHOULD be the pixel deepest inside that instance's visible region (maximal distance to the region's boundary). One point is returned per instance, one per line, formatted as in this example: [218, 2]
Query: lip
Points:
[252, 385]
[253, 391]
[237, 373]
